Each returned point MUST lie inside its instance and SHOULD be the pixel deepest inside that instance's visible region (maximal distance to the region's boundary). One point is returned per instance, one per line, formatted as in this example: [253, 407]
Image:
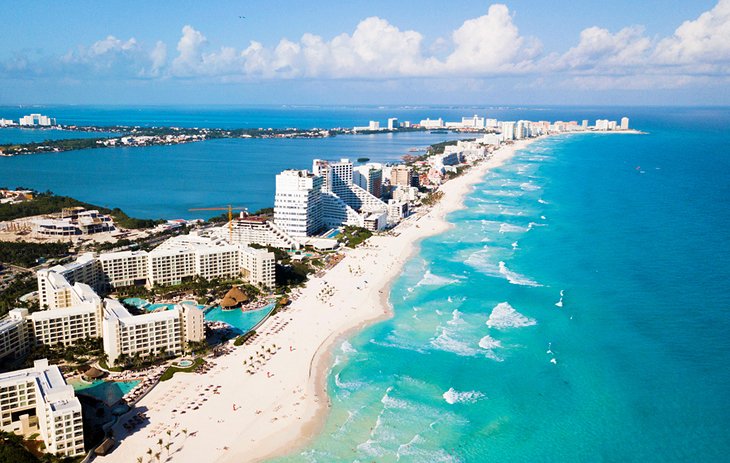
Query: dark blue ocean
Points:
[578, 311]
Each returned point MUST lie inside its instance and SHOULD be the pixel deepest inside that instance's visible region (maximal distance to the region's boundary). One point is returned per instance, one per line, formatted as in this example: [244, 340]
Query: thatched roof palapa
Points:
[93, 373]
[234, 298]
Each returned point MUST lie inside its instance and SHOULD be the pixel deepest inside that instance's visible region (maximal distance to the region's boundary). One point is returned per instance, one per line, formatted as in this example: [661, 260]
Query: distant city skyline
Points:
[390, 53]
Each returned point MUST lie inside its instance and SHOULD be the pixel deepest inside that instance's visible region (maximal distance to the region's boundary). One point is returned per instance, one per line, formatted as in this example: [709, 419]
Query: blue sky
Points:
[375, 52]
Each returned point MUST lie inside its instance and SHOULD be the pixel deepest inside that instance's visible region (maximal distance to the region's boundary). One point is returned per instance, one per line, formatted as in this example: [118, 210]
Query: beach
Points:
[281, 405]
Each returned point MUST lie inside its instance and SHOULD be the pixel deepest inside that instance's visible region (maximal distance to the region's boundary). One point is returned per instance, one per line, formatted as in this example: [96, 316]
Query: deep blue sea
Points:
[484, 359]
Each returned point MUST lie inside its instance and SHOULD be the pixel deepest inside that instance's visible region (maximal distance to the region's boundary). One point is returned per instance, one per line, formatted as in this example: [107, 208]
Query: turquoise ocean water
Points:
[484, 361]
[479, 364]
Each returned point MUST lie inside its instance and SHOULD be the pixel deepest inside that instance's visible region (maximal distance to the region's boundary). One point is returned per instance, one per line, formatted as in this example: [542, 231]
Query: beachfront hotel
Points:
[297, 203]
[159, 332]
[308, 202]
[38, 400]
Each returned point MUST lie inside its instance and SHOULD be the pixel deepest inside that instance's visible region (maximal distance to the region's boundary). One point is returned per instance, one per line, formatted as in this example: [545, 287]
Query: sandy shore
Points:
[230, 415]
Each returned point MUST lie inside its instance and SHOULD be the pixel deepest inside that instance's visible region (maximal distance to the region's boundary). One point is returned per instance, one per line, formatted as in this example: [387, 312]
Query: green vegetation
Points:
[459, 171]
[48, 203]
[27, 254]
[265, 211]
[13, 450]
[52, 145]
[83, 351]
[438, 148]
[170, 372]
[23, 284]
[353, 236]
[293, 274]
[432, 198]
[199, 287]
[243, 338]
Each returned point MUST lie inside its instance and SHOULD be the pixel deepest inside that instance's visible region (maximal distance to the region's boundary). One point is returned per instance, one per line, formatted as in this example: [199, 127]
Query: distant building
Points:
[508, 130]
[78, 222]
[429, 123]
[374, 125]
[401, 175]
[392, 123]
[36, 119]
[370, 178]
[38, 400]
[624, 123]
[602, 124]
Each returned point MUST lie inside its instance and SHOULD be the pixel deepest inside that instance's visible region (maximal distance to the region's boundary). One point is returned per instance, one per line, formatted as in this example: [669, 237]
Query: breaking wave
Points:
[429, 279]
[505, 316]
[453, 396]
[509, 228]
[515, 278]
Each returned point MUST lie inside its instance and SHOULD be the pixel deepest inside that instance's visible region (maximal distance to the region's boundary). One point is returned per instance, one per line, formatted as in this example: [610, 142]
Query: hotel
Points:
[162, 332]
[256, 230]
[38, 400]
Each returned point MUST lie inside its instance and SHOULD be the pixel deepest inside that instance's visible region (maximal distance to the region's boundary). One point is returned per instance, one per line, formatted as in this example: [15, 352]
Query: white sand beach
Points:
[229, 415]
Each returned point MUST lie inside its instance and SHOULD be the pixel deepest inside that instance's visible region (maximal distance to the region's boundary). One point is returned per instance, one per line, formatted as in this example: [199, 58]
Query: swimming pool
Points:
[241, 321]
[144, 304]
[108, 392]
[332, 233]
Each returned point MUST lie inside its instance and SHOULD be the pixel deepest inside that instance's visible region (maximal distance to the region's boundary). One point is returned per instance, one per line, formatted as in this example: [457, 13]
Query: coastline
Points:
[455, 192]
[283, 406]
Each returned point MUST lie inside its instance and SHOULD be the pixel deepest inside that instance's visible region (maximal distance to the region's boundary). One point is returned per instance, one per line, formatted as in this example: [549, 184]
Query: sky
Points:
[618, 52]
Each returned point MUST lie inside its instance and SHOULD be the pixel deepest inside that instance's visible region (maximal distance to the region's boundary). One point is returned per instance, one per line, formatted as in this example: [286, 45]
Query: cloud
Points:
[482, 48]
[600, 50]
[704, 40]
[491, 44]
[376, 49]
[108, 57]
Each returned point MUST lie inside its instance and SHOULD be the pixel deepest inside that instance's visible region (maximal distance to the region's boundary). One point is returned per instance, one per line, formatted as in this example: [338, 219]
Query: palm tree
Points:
[169, 433]
[157, 456]
[159, 442]
[185, 432]
[167, 447]
[140, 459]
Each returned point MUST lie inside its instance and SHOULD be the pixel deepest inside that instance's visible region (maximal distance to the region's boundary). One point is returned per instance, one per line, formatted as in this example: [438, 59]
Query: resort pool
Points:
[241, 321]
[144, 304]
[332, 234]
[108, 392]
[136, 301]
[184, 363]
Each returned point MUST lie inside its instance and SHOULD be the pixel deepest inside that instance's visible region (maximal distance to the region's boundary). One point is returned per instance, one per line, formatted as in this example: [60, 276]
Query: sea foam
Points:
[505, 316]
[515, 278]
[452, 396]
[429, 279]
[509, 228]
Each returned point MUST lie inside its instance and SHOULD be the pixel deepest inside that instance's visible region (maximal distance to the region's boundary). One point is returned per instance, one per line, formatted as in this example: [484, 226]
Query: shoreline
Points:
[283, 405]
[452, 201]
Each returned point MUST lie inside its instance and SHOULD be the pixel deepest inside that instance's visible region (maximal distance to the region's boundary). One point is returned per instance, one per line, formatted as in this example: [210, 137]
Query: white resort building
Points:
[297, 203]
[256, 230]
[306, 203]
[38, 400]
[158, 332]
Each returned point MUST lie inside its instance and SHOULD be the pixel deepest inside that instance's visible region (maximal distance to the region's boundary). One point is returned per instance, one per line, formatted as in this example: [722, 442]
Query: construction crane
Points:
[228, 208]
